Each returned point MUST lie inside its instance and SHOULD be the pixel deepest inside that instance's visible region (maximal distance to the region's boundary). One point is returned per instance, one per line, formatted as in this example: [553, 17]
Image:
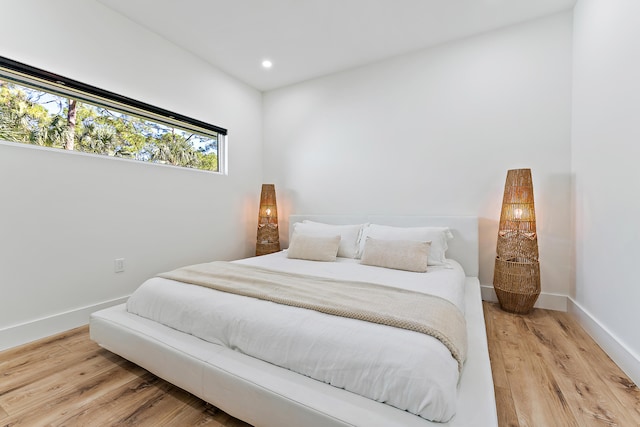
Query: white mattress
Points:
[263, 394]
[405, 369]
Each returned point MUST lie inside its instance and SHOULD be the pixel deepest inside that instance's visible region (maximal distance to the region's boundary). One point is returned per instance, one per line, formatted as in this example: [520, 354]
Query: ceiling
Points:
[310, 38]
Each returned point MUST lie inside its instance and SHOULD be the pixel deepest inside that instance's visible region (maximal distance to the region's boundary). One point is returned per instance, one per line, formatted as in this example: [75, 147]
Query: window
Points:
[40, 108]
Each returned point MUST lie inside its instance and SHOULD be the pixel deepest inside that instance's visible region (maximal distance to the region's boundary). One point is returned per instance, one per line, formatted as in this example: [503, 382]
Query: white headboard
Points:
[463, 247]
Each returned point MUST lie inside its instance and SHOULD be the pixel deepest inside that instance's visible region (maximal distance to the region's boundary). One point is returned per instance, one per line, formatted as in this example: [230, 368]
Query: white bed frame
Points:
[263, 394]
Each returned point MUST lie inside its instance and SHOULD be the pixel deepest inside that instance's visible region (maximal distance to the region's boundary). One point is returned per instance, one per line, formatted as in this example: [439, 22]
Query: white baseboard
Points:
[545, 300]
[615, 349]
[23, 333]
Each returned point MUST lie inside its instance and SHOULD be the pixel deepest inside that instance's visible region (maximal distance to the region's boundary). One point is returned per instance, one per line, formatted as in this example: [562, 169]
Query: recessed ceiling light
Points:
[267, 64]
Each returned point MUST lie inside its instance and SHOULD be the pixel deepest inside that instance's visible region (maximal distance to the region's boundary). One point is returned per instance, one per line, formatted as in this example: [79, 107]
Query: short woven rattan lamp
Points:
[516, 278]
[268, 240]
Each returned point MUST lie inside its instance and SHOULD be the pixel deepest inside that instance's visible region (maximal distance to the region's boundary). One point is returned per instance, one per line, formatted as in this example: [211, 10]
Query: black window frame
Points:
[48, 81]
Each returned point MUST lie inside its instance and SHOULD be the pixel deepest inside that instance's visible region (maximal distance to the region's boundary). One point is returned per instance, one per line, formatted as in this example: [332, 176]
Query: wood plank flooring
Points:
[547, 372]
[68, 380]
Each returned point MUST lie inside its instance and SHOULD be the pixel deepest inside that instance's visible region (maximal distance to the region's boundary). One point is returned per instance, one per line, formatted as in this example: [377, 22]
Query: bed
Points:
[265, 394]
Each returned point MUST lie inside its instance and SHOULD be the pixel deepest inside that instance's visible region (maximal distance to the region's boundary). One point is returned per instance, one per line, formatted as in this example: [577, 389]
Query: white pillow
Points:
[438, 236]
[349, 235]
[399, 254]
[313, 248]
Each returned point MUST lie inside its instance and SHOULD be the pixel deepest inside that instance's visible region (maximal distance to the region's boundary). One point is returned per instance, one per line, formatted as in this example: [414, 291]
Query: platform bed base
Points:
[263, 394]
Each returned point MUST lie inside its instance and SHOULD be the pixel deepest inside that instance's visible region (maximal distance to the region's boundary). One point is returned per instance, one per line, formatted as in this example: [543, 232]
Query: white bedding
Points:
[405, 369]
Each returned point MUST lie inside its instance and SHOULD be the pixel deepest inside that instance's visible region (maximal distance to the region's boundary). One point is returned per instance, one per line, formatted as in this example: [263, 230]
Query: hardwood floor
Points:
[547, 372]
[68, 380]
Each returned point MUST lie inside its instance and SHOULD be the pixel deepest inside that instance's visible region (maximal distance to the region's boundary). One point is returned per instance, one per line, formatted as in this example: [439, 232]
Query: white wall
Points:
[435, 132]
[605, 153]
[64, 217]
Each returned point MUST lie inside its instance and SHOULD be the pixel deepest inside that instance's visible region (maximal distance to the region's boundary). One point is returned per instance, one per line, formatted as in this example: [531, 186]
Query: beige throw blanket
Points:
[385, 305]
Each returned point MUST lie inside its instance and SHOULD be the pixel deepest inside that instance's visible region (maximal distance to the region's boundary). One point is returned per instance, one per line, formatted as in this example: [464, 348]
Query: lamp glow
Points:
[267, 64]
[268, 239]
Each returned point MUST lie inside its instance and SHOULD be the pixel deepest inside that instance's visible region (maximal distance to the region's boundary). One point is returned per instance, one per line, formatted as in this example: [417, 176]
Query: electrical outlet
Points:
[118, 265]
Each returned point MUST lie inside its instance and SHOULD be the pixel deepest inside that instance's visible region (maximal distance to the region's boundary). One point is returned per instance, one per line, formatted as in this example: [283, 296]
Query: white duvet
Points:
[405, 369]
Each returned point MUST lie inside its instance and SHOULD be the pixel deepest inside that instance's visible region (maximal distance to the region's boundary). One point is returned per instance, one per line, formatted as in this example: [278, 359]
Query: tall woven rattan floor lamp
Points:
[268, 238]
[516, 277]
